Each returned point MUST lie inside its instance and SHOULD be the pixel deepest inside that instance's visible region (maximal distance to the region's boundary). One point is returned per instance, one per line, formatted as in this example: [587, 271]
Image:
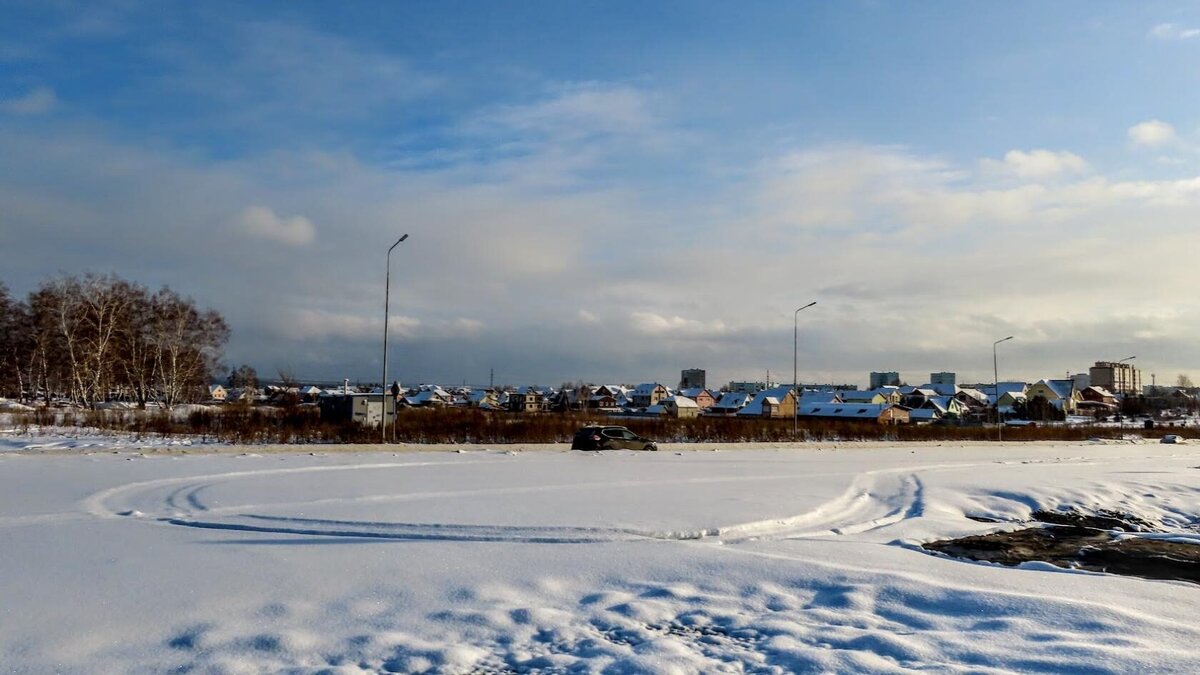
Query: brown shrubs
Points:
[244, 424]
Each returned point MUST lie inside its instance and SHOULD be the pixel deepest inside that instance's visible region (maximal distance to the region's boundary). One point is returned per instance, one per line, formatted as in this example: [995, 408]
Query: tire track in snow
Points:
[97, 503]
[873, 500]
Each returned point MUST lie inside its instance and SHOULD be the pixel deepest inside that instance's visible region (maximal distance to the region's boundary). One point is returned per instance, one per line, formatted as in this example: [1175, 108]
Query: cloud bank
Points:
[613, 223]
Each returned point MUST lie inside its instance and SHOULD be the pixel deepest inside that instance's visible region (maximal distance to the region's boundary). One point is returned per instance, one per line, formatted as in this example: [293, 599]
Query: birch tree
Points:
[188, 344]
[15, 332]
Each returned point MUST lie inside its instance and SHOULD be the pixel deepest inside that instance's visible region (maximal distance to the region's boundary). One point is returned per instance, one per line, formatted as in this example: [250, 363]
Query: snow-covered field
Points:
[491, 561]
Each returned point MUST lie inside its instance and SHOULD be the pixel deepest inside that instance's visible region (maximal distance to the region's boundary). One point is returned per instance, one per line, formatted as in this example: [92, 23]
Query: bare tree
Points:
[289, 394]
[243, 377]
[82, 324]
[94, 337]
[106, 301]
[58, 319]
[15, 332]
[188, 344]
[1182, 380]
[136, 351]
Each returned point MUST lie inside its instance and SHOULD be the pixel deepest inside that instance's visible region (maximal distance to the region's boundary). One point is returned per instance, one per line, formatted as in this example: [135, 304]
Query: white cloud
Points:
[1171, 31]
[1152, 133]
[839, 186]
[37, 102]
[1037, 164]
[578, 109]
[318, 325]
[462, 327]
[260, 221]
[925, 261]
[311, 324]
[649, 323]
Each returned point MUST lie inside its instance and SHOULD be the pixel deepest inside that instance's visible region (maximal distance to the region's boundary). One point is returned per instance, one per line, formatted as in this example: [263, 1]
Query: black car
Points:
[610, 438]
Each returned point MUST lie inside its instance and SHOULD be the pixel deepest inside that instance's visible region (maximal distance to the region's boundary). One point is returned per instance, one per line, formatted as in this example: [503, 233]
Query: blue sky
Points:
[616, 191]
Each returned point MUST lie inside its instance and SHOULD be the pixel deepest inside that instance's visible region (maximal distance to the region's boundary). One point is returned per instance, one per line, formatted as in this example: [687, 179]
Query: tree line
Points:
[99, 337]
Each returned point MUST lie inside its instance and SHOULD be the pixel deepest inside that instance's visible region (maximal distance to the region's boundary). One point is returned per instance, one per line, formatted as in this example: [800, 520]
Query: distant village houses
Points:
[941, 400]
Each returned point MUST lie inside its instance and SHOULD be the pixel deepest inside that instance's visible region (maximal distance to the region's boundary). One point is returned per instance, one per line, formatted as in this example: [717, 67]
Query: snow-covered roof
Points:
[681, 401]
[768, 396]
[939, 403]
[1016, 389]
[1013, 396]
[693, 392]
[844, 410]
[1061, 388]
[731, 400]
[818, 396]
[427, 396]
[860, 395]
[646, 388]
[656, 409]
[930, 414]
[942, 389]
[974, 394]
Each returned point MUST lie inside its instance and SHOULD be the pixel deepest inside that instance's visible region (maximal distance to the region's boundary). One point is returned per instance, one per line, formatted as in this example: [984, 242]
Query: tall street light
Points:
[996, 375]
[795, 349]
[387, 289]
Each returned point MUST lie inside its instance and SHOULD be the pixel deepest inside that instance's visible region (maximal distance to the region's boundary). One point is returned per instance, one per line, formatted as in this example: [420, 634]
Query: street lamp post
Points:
[795, 378]
[996, 376]
[387, 289]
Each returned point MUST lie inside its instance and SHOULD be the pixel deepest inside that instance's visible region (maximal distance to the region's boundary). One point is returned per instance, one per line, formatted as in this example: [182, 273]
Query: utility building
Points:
[367, 409]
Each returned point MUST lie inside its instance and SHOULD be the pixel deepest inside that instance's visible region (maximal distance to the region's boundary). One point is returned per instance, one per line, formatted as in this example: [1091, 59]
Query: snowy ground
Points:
[697, 561]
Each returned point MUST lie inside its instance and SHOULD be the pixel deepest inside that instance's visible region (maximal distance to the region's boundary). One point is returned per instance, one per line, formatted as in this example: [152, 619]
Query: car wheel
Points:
[650, 446]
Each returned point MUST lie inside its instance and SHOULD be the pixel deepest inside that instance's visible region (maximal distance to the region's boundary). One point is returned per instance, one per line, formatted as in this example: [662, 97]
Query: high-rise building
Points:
[1119, 378]
[889, 379]
[747, 387]
[692, 378]
[950, 379]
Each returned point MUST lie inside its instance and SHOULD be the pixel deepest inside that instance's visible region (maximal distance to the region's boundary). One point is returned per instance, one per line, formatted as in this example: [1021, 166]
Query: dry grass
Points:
[245, 424]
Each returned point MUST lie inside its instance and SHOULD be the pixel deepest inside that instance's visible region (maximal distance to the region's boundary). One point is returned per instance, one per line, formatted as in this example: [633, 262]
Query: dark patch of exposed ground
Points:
[1081, 541]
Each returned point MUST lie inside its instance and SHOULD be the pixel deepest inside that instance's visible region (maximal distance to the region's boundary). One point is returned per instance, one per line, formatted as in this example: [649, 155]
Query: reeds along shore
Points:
[247, 424]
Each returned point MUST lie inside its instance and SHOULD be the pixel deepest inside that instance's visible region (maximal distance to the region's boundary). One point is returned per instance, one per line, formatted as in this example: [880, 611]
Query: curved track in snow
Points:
[872, 500]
